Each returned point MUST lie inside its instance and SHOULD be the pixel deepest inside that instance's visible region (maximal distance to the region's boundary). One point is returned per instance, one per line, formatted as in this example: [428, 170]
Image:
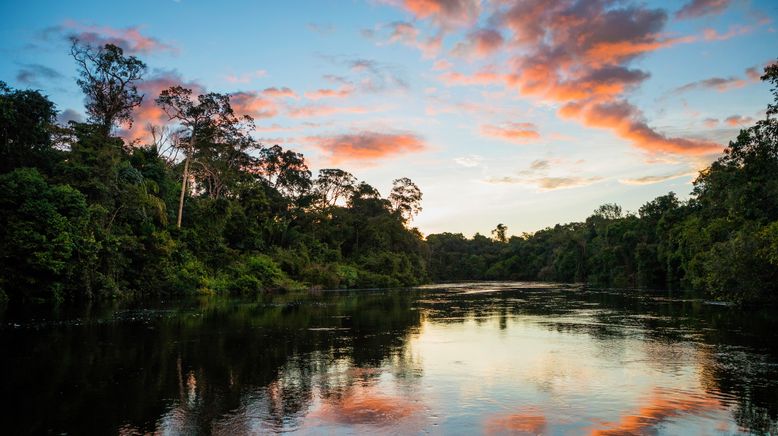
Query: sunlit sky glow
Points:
[525, 112]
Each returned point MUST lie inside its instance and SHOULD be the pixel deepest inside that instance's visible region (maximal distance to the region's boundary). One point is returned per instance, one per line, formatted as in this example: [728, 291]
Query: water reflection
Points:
[473, 358]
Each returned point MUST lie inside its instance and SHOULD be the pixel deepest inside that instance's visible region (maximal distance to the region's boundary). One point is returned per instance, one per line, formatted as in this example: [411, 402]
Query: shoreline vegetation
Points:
[202, 207]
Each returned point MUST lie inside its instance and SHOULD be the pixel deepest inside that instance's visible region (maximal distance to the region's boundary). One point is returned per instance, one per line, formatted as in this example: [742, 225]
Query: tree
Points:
[405, 198]
[108, 79]
[285, 170]
[333, 185]
[26, 120]
[499, 233]
[43, 236]
[610, 211]
[211, 115]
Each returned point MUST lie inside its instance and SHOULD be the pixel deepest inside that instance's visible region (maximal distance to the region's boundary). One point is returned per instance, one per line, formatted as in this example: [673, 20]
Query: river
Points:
[477, 358]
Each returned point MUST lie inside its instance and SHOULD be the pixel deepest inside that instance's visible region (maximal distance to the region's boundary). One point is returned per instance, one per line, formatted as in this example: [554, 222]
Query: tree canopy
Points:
[87, 215]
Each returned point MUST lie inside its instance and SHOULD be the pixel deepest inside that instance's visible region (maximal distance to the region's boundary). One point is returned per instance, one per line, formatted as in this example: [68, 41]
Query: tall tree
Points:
[108, 79]
[405, 198]
[209, 115]
[26, 121]
[499, 233]
[285, 170]
[334, 184]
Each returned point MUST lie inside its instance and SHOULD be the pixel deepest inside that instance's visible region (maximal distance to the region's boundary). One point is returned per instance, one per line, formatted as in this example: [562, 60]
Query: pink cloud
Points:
[129, 39]
[255, 104]
[408, 34]
[445, 13]
[324, 110]
[367, 145]
[148, 113]
[710, 122]
[738, 121]
[712, 35]
[520, 133]
[480, 43]
[699, 8]
[342, 92]
[483, 77]
[578, 55]
[722, 84]
[282, 92]
[442, 65]
[626, 121]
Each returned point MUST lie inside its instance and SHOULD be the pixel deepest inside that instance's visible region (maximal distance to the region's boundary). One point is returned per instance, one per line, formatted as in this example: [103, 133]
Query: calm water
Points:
[465, 359]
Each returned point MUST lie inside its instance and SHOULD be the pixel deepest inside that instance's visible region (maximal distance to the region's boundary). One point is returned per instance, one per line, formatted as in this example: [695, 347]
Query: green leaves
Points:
[44, 235]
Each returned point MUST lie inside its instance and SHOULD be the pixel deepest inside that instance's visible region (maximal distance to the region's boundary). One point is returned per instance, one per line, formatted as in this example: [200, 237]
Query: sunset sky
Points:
[522, 112]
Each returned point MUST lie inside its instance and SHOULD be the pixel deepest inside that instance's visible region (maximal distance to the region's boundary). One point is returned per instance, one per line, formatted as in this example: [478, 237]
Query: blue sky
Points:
[522, 112]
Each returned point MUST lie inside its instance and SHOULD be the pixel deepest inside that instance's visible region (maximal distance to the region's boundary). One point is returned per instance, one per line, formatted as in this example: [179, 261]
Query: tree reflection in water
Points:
[495, 358]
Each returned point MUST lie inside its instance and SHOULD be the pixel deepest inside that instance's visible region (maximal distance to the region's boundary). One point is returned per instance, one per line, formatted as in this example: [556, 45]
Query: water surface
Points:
[481, 358]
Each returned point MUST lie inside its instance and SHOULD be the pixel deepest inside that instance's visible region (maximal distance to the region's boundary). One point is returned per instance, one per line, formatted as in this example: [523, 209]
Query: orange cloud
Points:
[442, 64]
[408, 34]
[626, 121]
[148, 112]
[480, 43]
[324, 111]
[699, 8]
[129, 39]
[279, 92]
[329, 93]
[612, 52]
[712, 35]
[445, 13]
[483, 77]
[738, 121]
[367, 145]
[520, 133]
[254, 104]
[579, 57]
[710, 122]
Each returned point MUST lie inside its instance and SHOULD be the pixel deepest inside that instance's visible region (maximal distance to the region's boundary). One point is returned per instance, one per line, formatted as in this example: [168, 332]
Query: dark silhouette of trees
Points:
[108, 79]
[26, 128]
[499, 233]
[334, 185]
[405, 198]
[210, 116]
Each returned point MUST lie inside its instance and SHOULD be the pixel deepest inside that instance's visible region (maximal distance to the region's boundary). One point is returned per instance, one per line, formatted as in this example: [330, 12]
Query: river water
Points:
[478, 358]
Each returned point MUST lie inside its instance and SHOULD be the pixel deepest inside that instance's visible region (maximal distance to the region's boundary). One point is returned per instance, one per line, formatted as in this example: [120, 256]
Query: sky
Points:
[522, 112]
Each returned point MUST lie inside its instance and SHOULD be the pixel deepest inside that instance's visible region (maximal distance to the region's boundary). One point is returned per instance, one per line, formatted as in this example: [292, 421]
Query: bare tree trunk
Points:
[184, 182]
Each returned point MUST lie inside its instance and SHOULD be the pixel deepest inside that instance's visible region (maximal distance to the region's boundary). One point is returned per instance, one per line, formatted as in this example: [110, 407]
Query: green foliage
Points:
[723, 241]
[92, 218]
[99, 218]
[44, 236]
[26, 126]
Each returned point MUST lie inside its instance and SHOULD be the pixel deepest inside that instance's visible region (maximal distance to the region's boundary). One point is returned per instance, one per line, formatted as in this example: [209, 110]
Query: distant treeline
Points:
[203, 207]
[722, 241]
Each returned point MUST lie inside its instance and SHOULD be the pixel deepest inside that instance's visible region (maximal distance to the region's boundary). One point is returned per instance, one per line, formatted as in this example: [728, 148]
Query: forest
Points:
[722, 241]
[203, 207]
